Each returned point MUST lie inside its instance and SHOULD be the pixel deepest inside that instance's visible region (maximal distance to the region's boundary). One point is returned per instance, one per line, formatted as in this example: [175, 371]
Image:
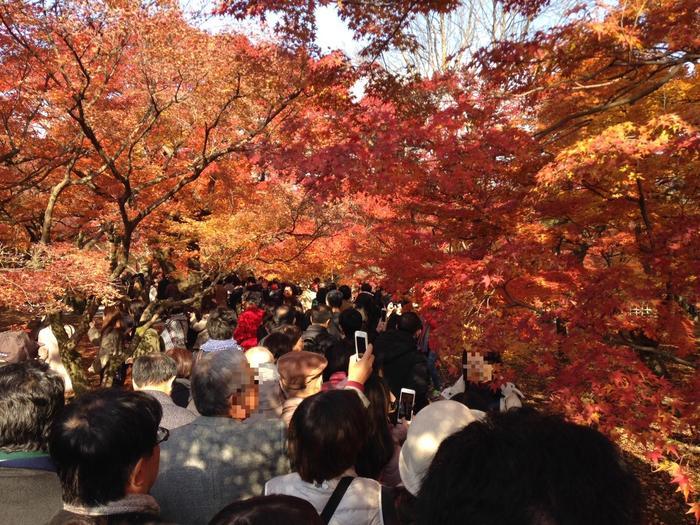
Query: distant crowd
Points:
[262, 402]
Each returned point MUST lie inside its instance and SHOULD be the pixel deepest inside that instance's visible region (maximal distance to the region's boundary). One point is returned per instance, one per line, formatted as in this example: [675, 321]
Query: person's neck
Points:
[165, 388]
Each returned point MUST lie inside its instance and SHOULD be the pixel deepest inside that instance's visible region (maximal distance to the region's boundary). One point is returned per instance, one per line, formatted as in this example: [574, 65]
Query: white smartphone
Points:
[407, 399]
[360, 343]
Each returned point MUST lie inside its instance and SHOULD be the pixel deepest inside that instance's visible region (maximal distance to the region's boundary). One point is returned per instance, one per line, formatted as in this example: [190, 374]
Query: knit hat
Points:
[297, 369]
[428, 429]
[16, 347]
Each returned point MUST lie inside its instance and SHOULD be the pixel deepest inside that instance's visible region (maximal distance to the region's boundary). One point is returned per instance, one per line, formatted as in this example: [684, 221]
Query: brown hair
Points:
[112, 319]
[183, 358]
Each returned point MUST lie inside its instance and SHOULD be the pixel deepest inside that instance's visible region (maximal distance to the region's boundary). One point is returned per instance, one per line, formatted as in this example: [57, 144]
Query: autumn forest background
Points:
[528, 170]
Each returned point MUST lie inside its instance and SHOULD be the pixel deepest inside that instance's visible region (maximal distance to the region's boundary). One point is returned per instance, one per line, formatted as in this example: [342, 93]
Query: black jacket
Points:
[404, 366]
[317, 339]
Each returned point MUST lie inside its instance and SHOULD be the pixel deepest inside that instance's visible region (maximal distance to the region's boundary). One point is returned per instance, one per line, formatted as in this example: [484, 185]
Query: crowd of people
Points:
[261, 406]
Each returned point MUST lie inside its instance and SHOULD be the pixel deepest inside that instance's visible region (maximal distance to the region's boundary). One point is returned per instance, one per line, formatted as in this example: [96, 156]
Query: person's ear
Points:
[144, 473]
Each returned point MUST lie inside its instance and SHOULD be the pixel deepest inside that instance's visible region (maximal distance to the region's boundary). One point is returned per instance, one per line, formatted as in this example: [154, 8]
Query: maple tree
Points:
[543, 203]
[110, 132]
[540, 202]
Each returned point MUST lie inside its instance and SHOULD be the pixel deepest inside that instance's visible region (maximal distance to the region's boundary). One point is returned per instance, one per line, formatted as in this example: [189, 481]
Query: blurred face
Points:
[288, 292]
[246, 402]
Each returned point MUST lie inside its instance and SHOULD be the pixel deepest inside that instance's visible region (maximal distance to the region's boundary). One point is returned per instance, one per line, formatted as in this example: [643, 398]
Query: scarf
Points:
[130, 504]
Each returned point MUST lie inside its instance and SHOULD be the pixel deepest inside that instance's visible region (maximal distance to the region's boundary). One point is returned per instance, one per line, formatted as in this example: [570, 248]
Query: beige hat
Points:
[428, 429]
[297, 369]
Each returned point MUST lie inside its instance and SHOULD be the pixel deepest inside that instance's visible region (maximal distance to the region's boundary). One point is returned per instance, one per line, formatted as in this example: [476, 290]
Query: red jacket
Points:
[248, 323]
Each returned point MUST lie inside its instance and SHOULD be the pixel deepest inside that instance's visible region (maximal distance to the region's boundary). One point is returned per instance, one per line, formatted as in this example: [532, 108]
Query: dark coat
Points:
[317, 339]
[181, 394]
[29, 495]
[404, 366]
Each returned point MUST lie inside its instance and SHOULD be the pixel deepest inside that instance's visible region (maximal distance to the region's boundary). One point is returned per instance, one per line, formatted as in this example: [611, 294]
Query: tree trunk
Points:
[51, 204]
[68, 346]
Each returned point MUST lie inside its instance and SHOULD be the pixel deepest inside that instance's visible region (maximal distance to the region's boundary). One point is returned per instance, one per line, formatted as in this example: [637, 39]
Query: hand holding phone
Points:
[360, 343]
[360, 369]
[407, 399]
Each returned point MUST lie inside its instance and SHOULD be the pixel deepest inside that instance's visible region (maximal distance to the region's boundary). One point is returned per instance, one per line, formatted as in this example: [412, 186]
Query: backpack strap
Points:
[389, 514]
[335, 499]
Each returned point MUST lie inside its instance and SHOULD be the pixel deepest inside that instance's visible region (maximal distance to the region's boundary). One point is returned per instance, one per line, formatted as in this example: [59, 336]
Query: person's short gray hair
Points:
[216, 377]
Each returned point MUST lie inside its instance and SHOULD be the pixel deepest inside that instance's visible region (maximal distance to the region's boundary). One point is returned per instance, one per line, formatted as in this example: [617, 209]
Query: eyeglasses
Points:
[162, 435]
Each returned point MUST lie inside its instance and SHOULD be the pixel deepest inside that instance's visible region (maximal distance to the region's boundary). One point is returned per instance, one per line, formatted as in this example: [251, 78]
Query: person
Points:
[50, 353]
[154, 374]
[294, 333]
[268, 510]
[379, 449]
[347, 297]
[16, 346]
[249, 321]
[278, 343]
[181, 393]
[528, 468]
[398, 356]
[31, 396]
[174, 332]
[274, 320]
[326, 434]
[428, 429]
[335, 301]
[224, 454]
[220, 326]
[263, 362]
[341, 352]
[365, 302]
[111, 340]
[316, 338]
[300, 376]
[289, 297]
[106, 449]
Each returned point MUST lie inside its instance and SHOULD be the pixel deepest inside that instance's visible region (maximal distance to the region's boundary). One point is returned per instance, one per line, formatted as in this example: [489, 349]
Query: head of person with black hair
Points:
[268, 510]
[106, 449]
[279, 343]
[346, 291]
[350, 322]
[294, 333]
[31, 397]
[531, 469]
[325, 436]
[339, 354]
[379, 447]
[283, 315]
[321, 316]
[409, 322]
[321, 295]
[316, 338]
[334, 300]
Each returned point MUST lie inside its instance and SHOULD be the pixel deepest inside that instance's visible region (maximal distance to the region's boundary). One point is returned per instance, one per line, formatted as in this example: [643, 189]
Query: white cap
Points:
[428, 429]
